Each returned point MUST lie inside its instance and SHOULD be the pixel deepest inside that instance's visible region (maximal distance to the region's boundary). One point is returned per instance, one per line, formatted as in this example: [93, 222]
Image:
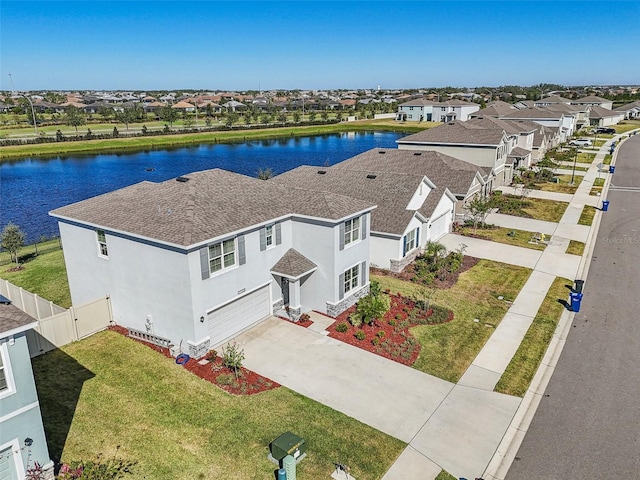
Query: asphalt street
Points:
[588, 423]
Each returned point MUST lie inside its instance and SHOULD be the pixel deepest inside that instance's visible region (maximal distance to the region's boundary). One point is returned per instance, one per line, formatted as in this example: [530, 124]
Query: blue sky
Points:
[361, 44]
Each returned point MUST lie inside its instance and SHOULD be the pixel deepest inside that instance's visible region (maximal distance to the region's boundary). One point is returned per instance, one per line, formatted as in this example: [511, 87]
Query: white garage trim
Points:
[438, 227]
[11, 466]
[229, 319]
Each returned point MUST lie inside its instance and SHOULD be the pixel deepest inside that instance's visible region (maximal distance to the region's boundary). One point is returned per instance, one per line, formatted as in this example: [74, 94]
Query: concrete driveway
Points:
[390, 397]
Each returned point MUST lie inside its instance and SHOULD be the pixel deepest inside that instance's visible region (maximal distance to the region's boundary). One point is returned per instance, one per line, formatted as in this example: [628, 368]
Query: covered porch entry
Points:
[290, 272]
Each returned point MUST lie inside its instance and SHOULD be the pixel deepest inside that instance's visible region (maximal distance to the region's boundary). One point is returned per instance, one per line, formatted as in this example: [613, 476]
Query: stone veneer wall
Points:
[338, 308]
[279, 305]
[396, 266]
[199, 350]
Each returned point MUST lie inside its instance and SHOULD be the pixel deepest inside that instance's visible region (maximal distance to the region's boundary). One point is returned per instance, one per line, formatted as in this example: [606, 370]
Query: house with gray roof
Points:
[22, 437]
[630, 110]
[422, 109]
[411, 209]
[480, 142]
[603, 117]
[198, 259]
[593, 100]
[558, 116]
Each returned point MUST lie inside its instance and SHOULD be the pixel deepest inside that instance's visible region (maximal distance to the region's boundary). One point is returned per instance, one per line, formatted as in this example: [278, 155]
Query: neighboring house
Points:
[551, 100]
[630, 110]
[602, 117]
[566, 123]
[494, 109]
[421, 109]
[234, 106]
[183, 106]
[463, 179]
[22, 438]
[411, 210]
[478, 141]
[593, 101]
[200, 258]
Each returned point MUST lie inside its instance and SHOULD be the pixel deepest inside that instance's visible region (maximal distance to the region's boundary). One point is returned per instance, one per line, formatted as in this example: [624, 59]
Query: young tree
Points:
[296, 116]
[12, 240]
[169, 114]
[232, 117]
[312, 116]
[105, 112]
[74, 117]
[478, 209]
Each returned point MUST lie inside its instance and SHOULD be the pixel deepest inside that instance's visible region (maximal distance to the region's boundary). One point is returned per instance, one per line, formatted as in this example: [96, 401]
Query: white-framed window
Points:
[443, 109]
[269, 240]
[410, 240]
[102, 243]
[6, 379]
[351, 231]
[222, 255]
[351, 278]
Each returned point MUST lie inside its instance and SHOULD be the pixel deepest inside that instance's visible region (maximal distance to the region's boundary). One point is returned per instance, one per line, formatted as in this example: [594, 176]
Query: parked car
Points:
[580, 142]
[609, 130]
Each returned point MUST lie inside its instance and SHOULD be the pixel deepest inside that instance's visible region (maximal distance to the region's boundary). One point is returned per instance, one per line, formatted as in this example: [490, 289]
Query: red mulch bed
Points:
[248, 382]
[408, 273]
[390, 336]
[16, 269]
[303, 321]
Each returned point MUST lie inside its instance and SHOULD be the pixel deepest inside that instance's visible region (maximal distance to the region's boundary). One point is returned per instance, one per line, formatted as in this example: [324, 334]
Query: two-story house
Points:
[476, 141]
[200, 258]
[422, 109]
[22, 437]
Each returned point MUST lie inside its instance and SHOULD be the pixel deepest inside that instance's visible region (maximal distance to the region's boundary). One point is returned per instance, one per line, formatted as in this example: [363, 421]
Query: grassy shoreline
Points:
[120, 144]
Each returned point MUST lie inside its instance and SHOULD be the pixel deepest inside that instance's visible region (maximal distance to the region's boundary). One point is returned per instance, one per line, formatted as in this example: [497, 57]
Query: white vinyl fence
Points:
[57, 326]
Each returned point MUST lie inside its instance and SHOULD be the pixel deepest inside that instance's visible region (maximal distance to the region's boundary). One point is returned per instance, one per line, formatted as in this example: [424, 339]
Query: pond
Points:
[32, 187]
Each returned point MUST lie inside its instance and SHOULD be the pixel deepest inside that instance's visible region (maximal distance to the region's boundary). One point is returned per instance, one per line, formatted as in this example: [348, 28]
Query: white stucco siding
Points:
[382, 249]
[465, 111]
[317, 242]
[142, 280]
[481, 156]
[352, 255]
[441, 219]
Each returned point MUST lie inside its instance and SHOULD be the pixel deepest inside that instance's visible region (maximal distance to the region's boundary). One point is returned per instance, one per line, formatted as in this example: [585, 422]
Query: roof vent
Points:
[182, 179]
[451, 123]
[417, 153]
[321, 172]
[371, 177]
[382, 152]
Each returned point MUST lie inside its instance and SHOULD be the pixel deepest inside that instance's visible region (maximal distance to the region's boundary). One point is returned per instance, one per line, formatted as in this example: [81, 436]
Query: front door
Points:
[284, 284]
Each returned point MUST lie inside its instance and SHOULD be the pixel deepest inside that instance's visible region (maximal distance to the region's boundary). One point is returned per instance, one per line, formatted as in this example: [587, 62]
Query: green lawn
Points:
[607, 159]
[575, 248]
[44, 274]
[585, 157]
[239, 135]
[520, 371]
[448, 349]
[624, 127]
[537, 208]
[586, 217]
[108, 391]
[563, 185]
[510, 236]
[598, 183]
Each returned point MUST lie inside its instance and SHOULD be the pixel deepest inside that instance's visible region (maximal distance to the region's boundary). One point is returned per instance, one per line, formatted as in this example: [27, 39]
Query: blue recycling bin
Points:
[576, 299]
[612, 168]
[605, 205]
[282, 474]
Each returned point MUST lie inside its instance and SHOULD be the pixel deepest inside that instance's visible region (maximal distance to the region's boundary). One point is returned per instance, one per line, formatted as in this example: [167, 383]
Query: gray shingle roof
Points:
[212, 203]
[457, 132]
[591, 99]
[519, 152]
[293, 264]
[11, 318]
[443, 170]
[390, 191]
[534, 112]
[601, 112]
[495, 109]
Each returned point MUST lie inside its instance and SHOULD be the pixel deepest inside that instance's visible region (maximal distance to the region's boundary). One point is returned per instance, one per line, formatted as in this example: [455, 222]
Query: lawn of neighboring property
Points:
[607, 159]
[563, 185]
[575, 248]
[598, 183]
[45, 275]
[537, 208]
[510, 236]
[625, 126]
[239, 134]
[108, 393]
[586, 217]
[448, 349]
[520, 371]
[584, 157]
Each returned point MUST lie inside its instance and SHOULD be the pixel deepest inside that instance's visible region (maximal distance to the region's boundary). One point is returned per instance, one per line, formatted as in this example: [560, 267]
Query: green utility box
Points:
[288, 444]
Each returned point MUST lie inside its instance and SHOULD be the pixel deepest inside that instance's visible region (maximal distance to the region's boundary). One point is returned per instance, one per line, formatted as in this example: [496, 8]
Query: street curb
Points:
[507, 450]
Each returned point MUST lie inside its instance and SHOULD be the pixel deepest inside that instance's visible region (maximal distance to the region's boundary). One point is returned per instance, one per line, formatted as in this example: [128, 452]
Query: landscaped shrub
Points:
[226, 379]
[381, 333]
[232, 357]
[342, 327]
[375, 341]
[371, 307]
[360, 335]
[355, 320]
[393, 323]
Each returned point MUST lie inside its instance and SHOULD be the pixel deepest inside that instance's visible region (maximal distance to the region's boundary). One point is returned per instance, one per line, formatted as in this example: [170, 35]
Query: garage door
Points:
[227, 321]
[7, 465]
[439, 227]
